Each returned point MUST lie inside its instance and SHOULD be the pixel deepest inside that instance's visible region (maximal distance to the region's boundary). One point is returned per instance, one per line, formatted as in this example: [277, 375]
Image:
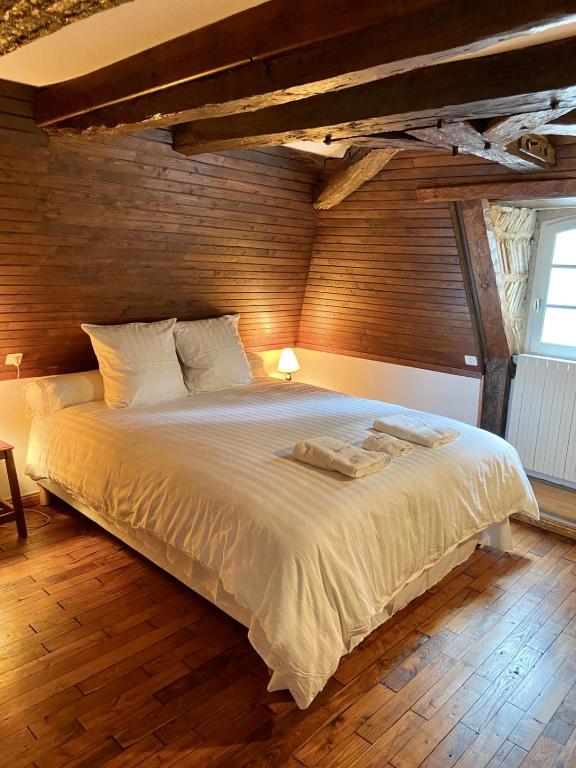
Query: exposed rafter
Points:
[387, 140]
[464, 138]
[500, 190]
[509, 83]
[23, 21]
[505, 129]
[565, 126]
[358, 165]
[283, 51]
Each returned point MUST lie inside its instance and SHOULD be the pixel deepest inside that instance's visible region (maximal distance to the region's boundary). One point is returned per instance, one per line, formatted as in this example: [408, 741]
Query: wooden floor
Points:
[107, 661]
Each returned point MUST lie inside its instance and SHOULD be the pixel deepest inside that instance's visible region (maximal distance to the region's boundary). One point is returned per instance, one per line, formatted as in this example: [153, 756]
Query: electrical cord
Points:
[45, 515]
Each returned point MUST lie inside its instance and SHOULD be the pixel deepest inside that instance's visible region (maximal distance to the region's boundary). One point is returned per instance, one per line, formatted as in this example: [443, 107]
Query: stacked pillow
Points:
[212, 354]
[140, 362]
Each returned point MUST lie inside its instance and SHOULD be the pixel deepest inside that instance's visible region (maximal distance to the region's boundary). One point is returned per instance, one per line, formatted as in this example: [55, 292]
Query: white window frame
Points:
[539, 292]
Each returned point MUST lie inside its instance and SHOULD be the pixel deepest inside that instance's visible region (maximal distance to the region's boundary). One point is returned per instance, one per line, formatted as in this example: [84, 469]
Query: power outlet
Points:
[470, 359]
[14, 359]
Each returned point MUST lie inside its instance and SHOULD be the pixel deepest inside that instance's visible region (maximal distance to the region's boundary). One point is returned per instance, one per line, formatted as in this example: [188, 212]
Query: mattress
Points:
[314, 558]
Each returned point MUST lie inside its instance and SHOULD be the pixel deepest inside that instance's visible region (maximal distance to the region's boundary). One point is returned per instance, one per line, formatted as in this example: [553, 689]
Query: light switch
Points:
[470, 359]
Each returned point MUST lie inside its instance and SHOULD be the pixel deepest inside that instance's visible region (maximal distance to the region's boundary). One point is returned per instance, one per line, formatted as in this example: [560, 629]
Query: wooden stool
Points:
[16, 511]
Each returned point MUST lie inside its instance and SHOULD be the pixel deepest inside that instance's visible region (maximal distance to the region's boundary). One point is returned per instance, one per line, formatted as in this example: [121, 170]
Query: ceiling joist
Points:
[528, 80]
[281, 52]
[462, 137]
[500, 190]
[386, 141]
[503, 130]
[564, 126]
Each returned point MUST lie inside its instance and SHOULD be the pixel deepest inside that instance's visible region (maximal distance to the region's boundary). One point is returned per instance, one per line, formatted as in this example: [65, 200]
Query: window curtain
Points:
[514, 229]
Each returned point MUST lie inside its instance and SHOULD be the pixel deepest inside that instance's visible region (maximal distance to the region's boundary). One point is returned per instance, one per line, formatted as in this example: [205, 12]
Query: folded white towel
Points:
[336, 456]
[387, 444]
[416, 430]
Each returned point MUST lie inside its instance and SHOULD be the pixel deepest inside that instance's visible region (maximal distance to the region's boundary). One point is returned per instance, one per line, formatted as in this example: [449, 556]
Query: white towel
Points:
[416, 430]
[387, 444]
[336, 456]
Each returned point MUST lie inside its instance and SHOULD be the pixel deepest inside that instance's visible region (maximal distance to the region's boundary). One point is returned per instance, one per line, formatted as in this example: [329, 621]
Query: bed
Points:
[309, 561]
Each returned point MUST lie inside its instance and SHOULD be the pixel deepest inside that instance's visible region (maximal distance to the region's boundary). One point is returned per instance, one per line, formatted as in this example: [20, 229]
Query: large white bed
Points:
[311, 562]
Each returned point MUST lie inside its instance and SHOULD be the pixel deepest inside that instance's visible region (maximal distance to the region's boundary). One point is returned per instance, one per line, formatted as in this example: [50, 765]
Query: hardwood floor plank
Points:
[417, 661]
[501, 689]
[433, 731]
[508, 756]
[451, 748]
[105, 660]
[341, 726]
[544, 754]
[487, 743]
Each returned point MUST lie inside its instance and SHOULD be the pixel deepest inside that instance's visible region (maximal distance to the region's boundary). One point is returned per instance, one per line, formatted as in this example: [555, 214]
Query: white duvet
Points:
[314, 556]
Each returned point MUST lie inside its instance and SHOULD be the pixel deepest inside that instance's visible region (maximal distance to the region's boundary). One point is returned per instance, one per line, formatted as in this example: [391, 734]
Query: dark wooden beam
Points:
[464, 138]
[388, 140]
[500, 190]
[358, 166]
[527, 80]
[477, 227]
[477, 239]
[26, 20]
[283, 51]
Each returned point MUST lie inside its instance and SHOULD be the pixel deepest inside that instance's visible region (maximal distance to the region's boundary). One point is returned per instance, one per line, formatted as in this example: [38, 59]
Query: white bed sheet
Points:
[314, 557]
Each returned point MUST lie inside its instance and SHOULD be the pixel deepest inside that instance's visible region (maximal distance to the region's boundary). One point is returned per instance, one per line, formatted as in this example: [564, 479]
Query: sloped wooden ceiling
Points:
[125, 229]
[384, 278]
[119, 229]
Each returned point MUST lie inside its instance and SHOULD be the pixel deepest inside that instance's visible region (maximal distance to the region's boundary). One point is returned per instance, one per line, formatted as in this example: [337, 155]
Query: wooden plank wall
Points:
[116, 230]
[385, 281]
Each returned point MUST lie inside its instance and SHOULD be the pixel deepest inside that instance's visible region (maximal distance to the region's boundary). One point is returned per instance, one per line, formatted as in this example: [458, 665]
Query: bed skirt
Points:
[207, 583]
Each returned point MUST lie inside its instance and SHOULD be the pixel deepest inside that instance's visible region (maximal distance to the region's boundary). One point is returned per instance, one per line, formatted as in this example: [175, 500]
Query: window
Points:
[552, 318]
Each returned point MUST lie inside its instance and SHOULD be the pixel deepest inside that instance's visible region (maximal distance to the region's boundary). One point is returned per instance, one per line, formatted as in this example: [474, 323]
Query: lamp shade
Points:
[288, 362]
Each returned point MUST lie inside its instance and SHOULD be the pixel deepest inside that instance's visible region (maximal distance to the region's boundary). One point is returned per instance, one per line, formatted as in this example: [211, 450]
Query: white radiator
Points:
[542, 418]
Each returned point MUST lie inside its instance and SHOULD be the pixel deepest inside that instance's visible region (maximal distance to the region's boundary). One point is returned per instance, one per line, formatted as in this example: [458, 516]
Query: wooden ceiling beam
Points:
[564, 126]
[26, 20]
[282, 51]
[461, 136]
[479, 241]
[505, 129]
[499, 190]
[526, 80]
[388, 140]
[358, 166]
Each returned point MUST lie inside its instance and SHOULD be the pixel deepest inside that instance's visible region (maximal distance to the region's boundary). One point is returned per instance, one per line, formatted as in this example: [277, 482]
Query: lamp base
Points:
[288, 377]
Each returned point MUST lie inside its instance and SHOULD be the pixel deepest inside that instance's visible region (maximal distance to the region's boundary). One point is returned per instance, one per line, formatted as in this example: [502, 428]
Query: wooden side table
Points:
[16, 511]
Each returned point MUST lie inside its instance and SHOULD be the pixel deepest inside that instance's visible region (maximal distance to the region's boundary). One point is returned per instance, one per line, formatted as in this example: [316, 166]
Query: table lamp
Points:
[288, 363]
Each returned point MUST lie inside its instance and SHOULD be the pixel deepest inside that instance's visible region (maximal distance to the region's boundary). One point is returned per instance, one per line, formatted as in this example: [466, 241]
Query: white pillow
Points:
[138, 362]
[212, 354]
[45, 396]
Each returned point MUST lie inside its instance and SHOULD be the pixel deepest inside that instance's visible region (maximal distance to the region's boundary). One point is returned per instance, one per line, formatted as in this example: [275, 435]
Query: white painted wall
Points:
[455, 396]
[14, 429]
